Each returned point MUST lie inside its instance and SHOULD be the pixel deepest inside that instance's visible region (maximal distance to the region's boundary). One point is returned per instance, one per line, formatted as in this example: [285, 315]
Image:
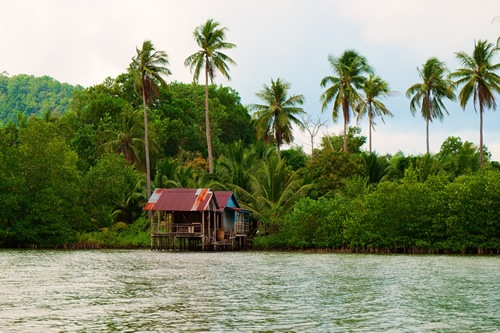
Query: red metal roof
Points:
[223, 198]
[181, 199]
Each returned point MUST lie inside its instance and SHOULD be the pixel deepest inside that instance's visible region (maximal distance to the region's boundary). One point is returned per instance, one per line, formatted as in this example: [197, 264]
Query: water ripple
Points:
[143, 291]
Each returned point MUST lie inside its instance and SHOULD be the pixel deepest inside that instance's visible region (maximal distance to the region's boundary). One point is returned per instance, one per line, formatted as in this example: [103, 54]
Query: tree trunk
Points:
[279, 150]
[345, 110]
[427, 134]
[481, 153]
[370, 122]
[146, 148]
[345, 135]
[207, 123]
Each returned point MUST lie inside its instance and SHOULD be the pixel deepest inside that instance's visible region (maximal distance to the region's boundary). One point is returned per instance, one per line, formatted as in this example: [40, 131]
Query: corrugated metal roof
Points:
[181, 199]
[223, 198]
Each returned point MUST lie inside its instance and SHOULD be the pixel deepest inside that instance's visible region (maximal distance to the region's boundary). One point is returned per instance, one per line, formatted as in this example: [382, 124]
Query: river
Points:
[144, 291]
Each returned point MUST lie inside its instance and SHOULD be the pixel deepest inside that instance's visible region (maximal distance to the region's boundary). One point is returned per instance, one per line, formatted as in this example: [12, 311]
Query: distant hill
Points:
[33, 95]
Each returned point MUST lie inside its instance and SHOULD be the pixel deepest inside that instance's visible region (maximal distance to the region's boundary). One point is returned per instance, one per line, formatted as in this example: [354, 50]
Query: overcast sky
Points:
[85, 41]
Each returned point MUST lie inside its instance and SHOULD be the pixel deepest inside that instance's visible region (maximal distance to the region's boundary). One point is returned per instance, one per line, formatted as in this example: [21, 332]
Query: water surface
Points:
[144, 291]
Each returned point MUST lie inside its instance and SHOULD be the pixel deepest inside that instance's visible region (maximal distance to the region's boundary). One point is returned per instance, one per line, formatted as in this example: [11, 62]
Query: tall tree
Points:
[373, 88]
[210, 38]
[428, 95]
[348, 78]
[148, 67]
[236, 166]
[279, 112]
[273, 191]
[127, 139]
[480, 80]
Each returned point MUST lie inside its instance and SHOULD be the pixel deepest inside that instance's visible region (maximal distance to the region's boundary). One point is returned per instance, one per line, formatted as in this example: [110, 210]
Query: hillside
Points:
[32, 95]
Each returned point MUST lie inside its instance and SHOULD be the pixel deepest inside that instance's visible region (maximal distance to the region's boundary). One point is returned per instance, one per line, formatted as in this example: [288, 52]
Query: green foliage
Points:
[474, 207]
[459, 158]
[46, 188]
[273, 191]
[434, 216]
[329, 168]
[370, 105]
[120, 235]
[279, 111]
[33, 95]
[171, 173]
[110, 185]
[179, 121]
[343, 86]
[210, 37]
[235, 166]
[295, 157]
[128, 139]
[336, 142]
[480, 82]
[317, 224]
[94, 113]
[429, 94]
[377, 168]
[79, 178]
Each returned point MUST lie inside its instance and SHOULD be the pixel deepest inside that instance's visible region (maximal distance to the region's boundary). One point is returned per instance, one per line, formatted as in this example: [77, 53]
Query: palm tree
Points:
[148, 66]
[479, 80]
[373, 88]
[273, 191]
[236, 165]
[172, 173]
[127, 138]
[210, 39]
[279, 112]
[348, 70]
[428, 95]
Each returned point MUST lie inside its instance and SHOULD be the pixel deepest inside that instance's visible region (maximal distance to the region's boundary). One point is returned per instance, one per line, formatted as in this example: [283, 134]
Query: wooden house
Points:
[234, 220]
[187, 218]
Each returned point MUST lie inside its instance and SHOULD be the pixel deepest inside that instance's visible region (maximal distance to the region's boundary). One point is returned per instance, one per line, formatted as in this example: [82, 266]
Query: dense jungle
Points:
[77, 164]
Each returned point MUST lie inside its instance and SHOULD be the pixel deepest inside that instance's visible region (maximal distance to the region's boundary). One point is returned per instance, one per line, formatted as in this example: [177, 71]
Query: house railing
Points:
[241, 228]
[177, 228]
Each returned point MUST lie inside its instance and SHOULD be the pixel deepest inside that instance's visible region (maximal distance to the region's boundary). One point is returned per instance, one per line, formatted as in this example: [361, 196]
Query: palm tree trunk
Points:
[279, 150]
[345, 109]
[370, 129]
[427, 134]
[207, 122]
[345, 135]
[481, 153]
[146, 148]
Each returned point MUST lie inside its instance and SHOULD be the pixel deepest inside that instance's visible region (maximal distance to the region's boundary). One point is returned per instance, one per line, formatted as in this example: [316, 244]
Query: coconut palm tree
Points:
[210, 38]
[480, 80]
[127, 139]
[348, 70]
[148, 68]
[273, 191]
[279, 112]
[172, 173]
[236, 165]
[374, 88]
[428, 95]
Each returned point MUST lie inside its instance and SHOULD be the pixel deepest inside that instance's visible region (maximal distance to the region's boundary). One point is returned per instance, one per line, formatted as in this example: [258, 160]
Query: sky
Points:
[85, 41]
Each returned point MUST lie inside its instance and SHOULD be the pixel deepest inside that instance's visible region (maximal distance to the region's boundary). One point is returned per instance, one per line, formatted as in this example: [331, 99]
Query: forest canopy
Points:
[32, 95]
[76, 163]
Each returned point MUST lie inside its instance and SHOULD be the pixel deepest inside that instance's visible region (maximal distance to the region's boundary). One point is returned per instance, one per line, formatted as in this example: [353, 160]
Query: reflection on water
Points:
[130, 291]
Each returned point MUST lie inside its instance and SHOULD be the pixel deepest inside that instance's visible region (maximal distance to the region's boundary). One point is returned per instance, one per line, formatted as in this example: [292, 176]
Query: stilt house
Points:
[187, 218]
